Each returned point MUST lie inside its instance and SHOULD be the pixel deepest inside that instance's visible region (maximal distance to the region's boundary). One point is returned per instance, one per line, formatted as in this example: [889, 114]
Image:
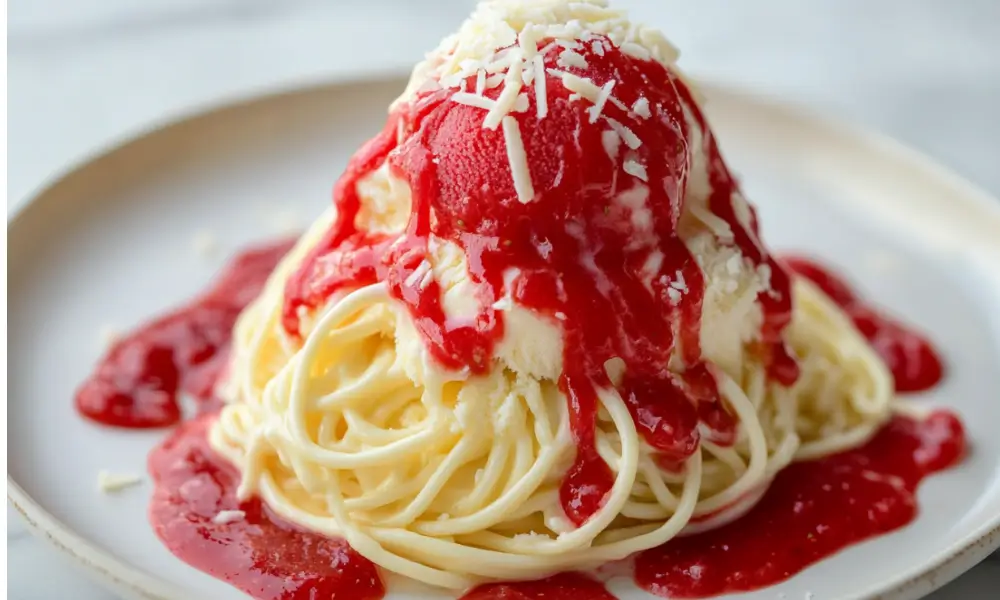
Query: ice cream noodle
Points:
[538, 330]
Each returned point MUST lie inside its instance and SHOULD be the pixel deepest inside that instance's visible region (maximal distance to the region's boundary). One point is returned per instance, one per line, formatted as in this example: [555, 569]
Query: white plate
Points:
[111, 244]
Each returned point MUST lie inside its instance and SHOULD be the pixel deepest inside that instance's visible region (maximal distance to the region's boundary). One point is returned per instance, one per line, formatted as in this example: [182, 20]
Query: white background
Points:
[84, 73]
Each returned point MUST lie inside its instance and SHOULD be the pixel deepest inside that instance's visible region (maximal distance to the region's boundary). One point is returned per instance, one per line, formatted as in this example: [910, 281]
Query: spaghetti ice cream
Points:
[538, 329]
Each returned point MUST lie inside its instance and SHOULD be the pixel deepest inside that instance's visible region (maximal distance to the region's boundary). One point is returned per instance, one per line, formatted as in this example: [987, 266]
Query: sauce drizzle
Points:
[594, 241]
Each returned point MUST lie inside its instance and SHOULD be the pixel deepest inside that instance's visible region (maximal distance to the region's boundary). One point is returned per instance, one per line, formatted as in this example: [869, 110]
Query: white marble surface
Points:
[84, 73]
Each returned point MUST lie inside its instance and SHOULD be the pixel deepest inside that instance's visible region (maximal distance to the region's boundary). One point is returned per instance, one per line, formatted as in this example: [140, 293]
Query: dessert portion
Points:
[538, 330]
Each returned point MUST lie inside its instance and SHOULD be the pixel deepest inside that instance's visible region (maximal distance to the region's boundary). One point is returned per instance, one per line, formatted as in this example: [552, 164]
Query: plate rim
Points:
[942, 567]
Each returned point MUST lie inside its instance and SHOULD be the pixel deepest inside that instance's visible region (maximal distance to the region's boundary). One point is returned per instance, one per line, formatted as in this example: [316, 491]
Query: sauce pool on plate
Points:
[254, 551]
[564, 586]
[812, 510]
[137, 382]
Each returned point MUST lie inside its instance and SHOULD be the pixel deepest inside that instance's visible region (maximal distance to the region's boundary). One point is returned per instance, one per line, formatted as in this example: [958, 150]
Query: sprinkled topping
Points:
[641, 108]
[630, 139]
[480, 82]
[541, 94]
[110, 483]
[505, 102]
[527, 40]
[634, 168]
[636, 51]
[518, 159]
[569, 59]
[473, 100]
[580, 86]
[528, 73]
[602, 98]
[678, 282]
[420, 275]
[228, 516]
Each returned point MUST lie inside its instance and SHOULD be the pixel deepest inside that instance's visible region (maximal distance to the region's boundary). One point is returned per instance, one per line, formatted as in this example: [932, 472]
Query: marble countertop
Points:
[85, 73]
